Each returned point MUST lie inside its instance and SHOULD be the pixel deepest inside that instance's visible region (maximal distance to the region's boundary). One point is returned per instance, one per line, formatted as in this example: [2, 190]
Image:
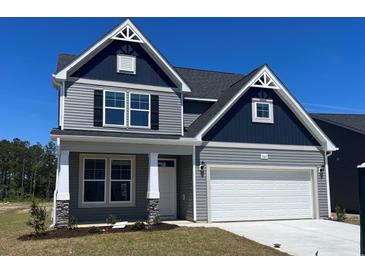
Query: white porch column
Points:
[153, 191]
[62, 203]
[63, 191]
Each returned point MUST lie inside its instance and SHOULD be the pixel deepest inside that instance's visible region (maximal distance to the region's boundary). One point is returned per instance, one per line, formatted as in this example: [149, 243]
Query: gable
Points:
[103, 66]
[236, 124]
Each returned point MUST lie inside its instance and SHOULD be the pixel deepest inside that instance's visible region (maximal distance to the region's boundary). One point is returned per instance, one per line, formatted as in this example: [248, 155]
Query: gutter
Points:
[181, 141]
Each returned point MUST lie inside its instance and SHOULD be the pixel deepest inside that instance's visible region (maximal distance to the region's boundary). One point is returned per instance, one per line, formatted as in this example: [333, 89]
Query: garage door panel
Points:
[257, 194]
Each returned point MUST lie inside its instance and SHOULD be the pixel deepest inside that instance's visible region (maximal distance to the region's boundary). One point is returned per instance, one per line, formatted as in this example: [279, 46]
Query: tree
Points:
[26, 170]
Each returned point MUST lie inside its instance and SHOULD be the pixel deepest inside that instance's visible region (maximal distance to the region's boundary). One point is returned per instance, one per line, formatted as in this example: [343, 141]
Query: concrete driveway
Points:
[301, 237]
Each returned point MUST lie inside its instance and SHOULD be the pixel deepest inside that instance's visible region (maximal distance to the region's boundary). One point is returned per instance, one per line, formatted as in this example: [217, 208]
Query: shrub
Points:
[157, 219]
[340, 214]
[139, 225]
[37, 218]
[94, 230]
[112, 219]
[72, 222]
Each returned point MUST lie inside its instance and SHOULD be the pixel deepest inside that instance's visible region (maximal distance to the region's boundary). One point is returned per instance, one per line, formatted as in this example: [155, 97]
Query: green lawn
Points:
[179, 241]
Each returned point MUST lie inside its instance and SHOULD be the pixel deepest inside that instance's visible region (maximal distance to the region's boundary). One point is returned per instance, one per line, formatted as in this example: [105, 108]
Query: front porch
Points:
[93, 184]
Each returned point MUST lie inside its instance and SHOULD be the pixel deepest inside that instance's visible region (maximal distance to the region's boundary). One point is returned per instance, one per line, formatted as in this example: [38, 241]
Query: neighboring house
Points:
[348, 133]
[138, 136]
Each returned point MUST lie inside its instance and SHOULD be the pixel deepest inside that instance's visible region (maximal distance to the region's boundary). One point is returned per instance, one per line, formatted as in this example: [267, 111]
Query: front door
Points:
[167, 184]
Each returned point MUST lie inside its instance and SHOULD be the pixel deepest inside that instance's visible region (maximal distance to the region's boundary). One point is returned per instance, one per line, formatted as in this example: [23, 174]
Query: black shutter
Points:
[98, 108]
[154, 112]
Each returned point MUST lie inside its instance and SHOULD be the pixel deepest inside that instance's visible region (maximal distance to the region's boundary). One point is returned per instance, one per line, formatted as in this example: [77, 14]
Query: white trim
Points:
[130, 109]
[133, 59]
[129, 35]
[314, 185]
[179, 142]
[82, 174]
[62, 105]
[194, 184]
[119, 108]
[260, 146]
[153, 191]
[132, 187]
[265, 82]
[255, 118]
[174, 192]
[120, 84]
[63, 187]
[282, 92]
[201, 99]
[62, 74]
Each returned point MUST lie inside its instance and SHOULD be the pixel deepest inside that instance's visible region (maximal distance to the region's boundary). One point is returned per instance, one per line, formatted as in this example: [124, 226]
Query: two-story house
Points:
[139, 137]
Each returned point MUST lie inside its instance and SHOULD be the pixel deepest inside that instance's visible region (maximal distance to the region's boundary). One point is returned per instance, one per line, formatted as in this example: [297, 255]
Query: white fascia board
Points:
[105, 139]
[119, 84]
[62, 75]
[305, 118]
[295, 107]
[200, 99]
[184, 86]
[227, 106]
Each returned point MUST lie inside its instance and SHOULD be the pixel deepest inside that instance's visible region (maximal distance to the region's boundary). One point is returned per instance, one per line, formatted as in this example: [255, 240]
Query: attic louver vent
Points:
[265, 81]
[128, 34]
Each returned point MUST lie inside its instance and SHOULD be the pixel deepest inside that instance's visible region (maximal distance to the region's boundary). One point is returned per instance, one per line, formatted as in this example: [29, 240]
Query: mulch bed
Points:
[63, 233]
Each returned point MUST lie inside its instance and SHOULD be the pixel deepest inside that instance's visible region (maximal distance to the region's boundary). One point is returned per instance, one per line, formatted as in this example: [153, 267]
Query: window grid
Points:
[95, 179]
[120, 180]
[262, 110]
[142, 106]
[114, 100]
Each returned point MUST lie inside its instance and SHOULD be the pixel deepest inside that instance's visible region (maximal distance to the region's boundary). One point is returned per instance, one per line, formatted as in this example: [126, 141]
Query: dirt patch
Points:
[63, 233]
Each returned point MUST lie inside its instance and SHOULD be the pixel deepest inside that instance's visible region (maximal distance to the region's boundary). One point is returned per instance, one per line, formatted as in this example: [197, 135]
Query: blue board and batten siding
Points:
[241, 156]
[79, 110]
[103, 66]
[237, 126]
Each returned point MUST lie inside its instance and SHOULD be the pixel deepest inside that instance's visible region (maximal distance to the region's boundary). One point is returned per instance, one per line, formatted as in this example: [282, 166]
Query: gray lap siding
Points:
[242, 156]
[79, 110]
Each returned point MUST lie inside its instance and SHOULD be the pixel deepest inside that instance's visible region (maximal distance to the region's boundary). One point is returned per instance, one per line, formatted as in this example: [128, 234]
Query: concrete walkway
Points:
[298, 237]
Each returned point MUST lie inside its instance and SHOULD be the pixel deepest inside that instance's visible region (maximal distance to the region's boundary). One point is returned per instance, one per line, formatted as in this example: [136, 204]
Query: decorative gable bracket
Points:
[264, 81]
[127, 34]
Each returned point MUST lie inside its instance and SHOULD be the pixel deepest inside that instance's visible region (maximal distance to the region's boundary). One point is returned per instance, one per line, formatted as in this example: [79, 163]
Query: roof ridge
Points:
[207, 70]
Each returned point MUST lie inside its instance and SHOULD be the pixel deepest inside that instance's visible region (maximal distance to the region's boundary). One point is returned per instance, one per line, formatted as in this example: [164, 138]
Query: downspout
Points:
[326, 155]
[56, 187]
[194, 185]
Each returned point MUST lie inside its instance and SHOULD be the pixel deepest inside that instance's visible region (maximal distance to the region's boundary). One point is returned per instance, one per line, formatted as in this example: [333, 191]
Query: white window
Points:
[139, 110]
[120, 180]
[114, 108]
[94, 178]
[126, 64]
[262, 111]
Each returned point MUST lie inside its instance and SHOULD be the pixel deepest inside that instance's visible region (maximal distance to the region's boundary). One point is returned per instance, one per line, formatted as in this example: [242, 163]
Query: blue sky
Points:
[322, 61]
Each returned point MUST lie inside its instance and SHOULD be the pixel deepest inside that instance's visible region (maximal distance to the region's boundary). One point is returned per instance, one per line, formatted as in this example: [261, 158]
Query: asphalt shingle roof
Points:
[203, 83]
[227, 94]
[355, 122]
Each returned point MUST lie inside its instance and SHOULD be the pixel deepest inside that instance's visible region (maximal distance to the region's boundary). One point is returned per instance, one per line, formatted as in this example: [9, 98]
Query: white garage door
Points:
[238, 194]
